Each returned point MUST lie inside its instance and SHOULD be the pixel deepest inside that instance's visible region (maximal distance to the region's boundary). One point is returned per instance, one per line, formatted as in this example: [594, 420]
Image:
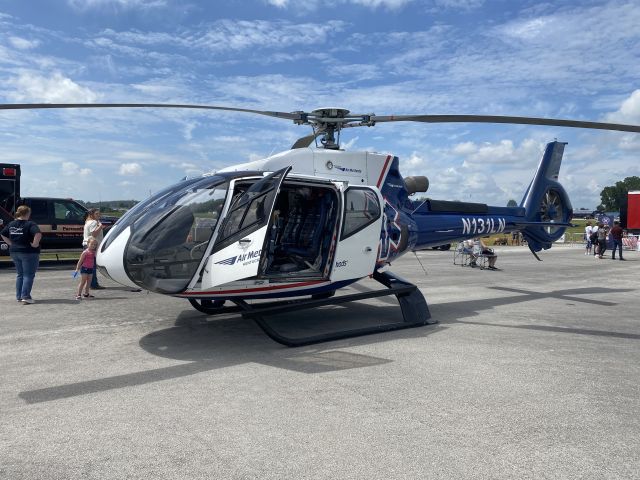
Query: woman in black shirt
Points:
[23, 237]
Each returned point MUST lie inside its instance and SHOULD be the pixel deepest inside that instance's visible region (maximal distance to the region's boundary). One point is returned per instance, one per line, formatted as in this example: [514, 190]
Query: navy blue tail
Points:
[546, 202]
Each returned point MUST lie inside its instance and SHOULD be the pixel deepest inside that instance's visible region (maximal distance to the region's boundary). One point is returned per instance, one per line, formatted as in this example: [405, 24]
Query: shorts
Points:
[88, 271]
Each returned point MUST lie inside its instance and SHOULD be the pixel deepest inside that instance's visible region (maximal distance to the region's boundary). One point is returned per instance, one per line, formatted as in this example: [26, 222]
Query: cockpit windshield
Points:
[170, 233]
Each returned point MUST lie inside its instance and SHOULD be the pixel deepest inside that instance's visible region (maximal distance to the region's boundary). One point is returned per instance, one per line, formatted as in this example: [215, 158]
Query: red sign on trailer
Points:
[9, 190]
[633, 210]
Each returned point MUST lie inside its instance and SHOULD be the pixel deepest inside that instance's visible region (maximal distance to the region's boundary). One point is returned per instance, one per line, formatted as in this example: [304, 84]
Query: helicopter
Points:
[297, 226]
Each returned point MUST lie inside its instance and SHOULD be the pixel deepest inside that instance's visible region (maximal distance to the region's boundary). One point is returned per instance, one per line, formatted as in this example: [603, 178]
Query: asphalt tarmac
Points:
[532, 372]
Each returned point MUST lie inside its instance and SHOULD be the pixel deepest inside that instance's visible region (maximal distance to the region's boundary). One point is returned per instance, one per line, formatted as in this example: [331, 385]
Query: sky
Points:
[559, 59]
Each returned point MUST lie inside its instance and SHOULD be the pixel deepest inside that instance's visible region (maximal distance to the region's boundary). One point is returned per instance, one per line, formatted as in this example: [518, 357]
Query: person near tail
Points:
[616, 233]
[603, 231]
[588, 230]
[481, 249]
[594, 239]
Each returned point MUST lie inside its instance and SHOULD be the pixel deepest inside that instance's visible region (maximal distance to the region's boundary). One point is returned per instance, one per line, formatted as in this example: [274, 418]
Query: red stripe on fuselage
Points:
[260, 289]
[384, 169]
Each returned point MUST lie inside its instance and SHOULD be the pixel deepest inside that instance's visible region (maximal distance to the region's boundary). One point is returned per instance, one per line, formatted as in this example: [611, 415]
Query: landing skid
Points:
[415, 311]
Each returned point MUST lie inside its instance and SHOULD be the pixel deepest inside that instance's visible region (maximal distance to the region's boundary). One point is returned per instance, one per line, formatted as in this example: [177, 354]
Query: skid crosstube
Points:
[415, 311]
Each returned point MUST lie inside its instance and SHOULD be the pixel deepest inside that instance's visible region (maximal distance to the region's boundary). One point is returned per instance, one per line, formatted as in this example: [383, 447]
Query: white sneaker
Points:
[28, 300]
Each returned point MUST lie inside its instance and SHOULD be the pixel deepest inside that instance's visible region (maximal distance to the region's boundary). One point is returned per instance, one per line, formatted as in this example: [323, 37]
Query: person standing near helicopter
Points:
[603, 232]
[23, 237]
[93, 228]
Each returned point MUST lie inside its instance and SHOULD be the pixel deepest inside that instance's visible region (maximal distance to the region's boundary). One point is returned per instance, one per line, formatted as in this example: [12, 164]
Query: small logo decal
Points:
[247, 258]
[350, 170]
[228, 261]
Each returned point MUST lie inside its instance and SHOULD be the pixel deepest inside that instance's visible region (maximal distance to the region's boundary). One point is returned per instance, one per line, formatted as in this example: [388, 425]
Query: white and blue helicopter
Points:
[302, 224]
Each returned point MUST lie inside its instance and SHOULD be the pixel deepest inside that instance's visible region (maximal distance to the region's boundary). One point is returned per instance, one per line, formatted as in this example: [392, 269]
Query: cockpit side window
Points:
[250, 210]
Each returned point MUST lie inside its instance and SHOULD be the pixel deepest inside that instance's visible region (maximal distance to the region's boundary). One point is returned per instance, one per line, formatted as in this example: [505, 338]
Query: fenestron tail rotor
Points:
[328, 122]
[551, 210]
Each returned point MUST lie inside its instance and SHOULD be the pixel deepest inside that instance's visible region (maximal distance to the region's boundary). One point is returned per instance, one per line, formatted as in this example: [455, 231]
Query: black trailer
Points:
[9, 189]
[9, 195]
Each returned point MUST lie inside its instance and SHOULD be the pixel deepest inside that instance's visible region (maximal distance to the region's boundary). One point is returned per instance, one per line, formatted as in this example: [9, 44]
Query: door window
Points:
[361, 209]
[251, 209]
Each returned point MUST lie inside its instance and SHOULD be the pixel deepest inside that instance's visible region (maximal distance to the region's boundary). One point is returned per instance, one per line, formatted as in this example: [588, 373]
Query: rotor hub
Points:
[330, 112]
[328, 121]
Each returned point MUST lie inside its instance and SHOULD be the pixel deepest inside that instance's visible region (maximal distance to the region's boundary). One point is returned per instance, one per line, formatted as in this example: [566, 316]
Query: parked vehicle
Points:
[61, 220]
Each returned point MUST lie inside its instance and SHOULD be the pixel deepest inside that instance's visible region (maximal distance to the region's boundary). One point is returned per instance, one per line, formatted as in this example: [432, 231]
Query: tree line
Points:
[110, 204]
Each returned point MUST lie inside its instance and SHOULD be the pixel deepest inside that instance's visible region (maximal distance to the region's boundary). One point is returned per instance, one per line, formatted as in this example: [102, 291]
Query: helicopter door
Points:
[357, 249]
[236, 254]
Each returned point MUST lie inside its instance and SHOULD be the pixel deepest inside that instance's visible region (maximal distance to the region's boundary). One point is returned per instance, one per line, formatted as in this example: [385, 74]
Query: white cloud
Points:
[348, 145]
[527, 29]
[73, 169]
[414, 163]
[390, 4]
[310, 5]
[127, 169]
[629, 111]
[55, 88]
[22, 43]
[135, 155]
[83, 5]
[356, 72]
[459, 4]
[503, 152]
[227, 35]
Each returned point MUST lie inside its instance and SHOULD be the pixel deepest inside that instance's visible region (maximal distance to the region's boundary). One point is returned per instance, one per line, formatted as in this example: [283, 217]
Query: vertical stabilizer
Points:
[546, 201]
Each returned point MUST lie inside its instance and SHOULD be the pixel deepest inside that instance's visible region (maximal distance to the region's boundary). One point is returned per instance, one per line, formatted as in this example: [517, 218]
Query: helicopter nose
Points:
[111, 261]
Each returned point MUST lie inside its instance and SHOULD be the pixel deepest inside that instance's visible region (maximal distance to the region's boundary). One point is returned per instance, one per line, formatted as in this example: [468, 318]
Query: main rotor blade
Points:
[500, 119]
[302, 117]
[37, 106]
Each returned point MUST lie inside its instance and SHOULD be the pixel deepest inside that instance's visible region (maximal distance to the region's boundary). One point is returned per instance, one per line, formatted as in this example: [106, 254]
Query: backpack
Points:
[594, 237]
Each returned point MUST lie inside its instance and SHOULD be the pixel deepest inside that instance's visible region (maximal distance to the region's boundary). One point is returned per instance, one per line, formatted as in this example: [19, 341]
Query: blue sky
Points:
[561, 59]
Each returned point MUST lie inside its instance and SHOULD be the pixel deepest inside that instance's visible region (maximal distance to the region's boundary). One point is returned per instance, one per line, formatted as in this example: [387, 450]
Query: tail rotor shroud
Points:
[552, 210]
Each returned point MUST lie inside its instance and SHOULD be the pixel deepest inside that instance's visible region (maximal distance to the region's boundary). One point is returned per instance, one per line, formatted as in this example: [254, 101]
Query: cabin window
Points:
[361, 209]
